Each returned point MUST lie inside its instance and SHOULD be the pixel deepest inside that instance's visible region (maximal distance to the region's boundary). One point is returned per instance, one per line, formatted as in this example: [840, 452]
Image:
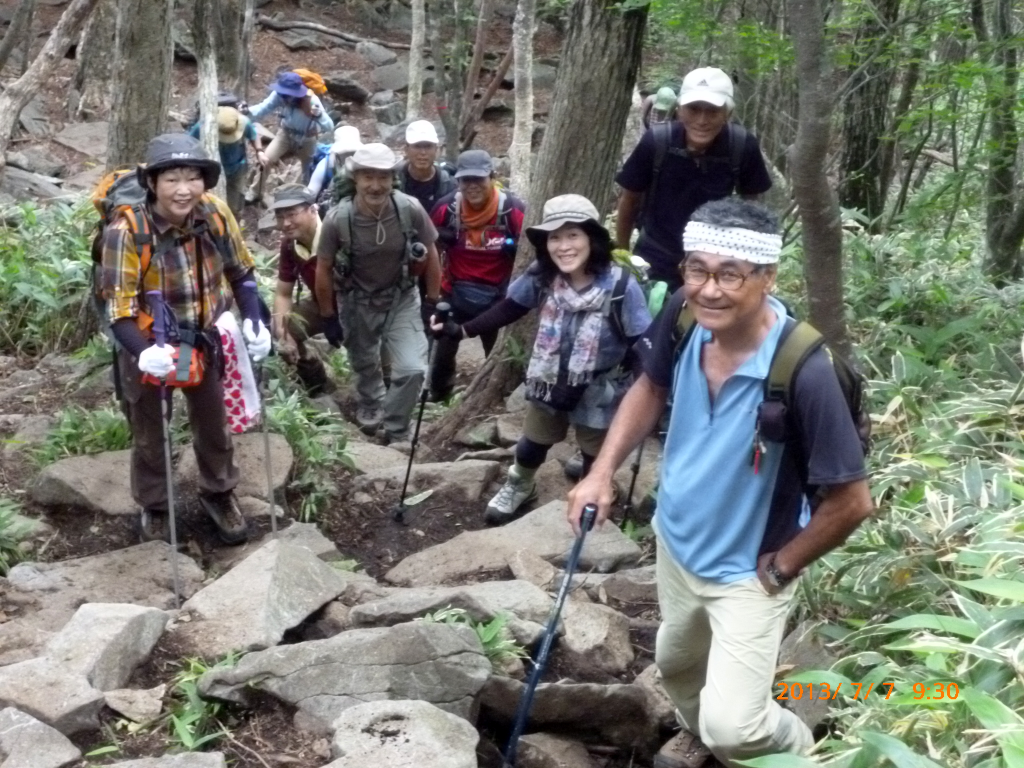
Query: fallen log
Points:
[280, 26]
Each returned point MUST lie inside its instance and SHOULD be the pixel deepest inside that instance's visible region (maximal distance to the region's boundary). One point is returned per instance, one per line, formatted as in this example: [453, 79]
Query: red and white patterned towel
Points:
[241, 395]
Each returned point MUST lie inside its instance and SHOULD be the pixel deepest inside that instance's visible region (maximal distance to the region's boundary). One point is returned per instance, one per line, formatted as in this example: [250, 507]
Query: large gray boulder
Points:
[526, 606]
[613, 714]
[250, 456]
[437, 663]
[88, 138]
[544, 531]
[659, 706]
[50, 692]
[28, 743]
[107, 641]
[402, 733]
[256, 602]
[341, 85]
[370, 457]
[376, 54]
[596, 637]
[545, 750]
[470, 477]
[97, 483]
[48, 594]
[186, 760]
[636, 586]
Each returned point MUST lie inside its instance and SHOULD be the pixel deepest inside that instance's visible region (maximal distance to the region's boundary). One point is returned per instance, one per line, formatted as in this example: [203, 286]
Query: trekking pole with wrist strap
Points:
[260, 384]
[526, 700]
[156, 305]
[627, 509]
[441, 312]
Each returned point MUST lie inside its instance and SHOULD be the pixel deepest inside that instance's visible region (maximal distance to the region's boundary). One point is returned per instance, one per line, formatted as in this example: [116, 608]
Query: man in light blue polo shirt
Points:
[734, 522]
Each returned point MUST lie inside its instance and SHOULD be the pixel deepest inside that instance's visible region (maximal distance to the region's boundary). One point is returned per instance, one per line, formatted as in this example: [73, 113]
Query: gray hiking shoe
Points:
[153, 525]
[516, 491]
[684, 750]
[574, 466]
[369, 419]
[223, 510]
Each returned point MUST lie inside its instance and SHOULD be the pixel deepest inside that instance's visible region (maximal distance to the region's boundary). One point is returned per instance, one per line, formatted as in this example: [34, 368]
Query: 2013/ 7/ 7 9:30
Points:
[797, 690]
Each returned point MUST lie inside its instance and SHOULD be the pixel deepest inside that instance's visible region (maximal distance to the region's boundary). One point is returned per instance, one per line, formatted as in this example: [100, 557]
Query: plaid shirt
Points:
[174, 272]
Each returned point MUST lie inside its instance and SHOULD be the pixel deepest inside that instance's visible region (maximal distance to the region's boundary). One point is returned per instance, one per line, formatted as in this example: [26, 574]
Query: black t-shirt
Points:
[427, 192]
[828, 449]
[686, 183]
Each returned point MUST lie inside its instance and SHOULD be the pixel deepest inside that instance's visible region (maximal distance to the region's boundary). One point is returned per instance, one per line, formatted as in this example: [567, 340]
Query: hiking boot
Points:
[384, 437]
[154, 525]
[518, 489]
[684, 750]
[313, 375]
[369, 419]
[574, 466]
[223, 510]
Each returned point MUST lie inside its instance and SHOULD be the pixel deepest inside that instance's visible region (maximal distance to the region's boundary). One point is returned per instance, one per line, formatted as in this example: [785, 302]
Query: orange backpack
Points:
[313, 81]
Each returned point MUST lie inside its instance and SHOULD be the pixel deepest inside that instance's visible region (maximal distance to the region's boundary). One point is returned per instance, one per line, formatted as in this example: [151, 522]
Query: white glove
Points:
[258, 343]
[157, 361]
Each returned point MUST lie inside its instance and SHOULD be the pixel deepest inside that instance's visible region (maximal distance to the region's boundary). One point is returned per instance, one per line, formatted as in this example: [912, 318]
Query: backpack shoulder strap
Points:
[616, 299]
[343, 218]
[685, 323]
[737, 144]
[403, 207]
[798, 342]
[662, 140]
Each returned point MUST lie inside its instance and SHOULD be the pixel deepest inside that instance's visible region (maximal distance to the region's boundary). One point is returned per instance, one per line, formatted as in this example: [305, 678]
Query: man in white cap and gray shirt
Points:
[373, 246]
[681, 164]
[747, 498]
[420, 175]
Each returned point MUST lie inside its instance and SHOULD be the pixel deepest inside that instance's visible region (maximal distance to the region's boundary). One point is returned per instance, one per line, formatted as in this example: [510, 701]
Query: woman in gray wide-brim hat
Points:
[591, 312]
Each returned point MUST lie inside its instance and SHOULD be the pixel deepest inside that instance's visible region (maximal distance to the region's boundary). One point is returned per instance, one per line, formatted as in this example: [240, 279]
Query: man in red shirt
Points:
[478, 229]
[295, 321]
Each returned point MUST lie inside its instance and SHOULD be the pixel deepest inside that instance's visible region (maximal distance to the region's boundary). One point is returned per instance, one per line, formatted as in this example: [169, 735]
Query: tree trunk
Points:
[819, 208]
[141, 79]
[590, 83]
[414, 104]
[206, 32]
[18, 93]
[17, 30]
[1004, 215]
[228, 17]
[473, 74]
[443, 83]
[248, 29]
[520, 153]
[92, 78]
[29, 35]
[866, 111]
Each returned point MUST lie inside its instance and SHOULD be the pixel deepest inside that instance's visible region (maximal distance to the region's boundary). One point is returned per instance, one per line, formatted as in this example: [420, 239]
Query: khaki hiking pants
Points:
[394, 326]
[281, 147]
[211, 438]
[716, 650]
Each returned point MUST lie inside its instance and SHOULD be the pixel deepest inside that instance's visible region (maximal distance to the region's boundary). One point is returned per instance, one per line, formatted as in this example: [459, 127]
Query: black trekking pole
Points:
[441, 313]
[266, 431]
[156, 304]
[526, 700]
[627, 509]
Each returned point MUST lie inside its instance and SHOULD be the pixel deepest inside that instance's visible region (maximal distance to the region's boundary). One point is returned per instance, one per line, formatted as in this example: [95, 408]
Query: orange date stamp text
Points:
[796, 691]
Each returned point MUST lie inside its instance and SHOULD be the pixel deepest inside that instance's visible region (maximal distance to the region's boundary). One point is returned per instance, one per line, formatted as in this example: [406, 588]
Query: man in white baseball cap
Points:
[681, 164]
[373, 246]
[420, 175]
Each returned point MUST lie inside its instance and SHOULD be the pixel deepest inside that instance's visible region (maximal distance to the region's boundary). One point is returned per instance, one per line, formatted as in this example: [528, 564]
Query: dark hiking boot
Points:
[369, 419]
[684, 750]
[154, 525]
[313, 375]
[223, 510]
[574, 467]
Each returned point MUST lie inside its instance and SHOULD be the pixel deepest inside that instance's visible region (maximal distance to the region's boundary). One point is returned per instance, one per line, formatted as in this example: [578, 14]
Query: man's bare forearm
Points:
[841, 512]
[324, 288]
[625, 218]
[636, 418]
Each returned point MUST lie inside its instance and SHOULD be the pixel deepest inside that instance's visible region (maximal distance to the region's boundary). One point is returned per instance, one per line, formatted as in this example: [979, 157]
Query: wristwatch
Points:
[775, 577]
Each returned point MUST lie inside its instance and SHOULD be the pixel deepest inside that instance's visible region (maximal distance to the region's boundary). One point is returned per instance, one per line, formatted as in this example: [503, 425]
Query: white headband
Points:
[746, 244]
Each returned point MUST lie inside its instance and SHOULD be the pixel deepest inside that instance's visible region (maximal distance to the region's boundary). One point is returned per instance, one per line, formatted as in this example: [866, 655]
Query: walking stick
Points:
[266, 431]
[156, 304]
[442, 317]
[526, 700]
[627, 509]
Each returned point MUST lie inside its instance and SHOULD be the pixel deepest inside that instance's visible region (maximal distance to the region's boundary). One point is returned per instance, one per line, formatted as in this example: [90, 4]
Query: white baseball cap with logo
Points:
[707, 84]
[420, 132]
